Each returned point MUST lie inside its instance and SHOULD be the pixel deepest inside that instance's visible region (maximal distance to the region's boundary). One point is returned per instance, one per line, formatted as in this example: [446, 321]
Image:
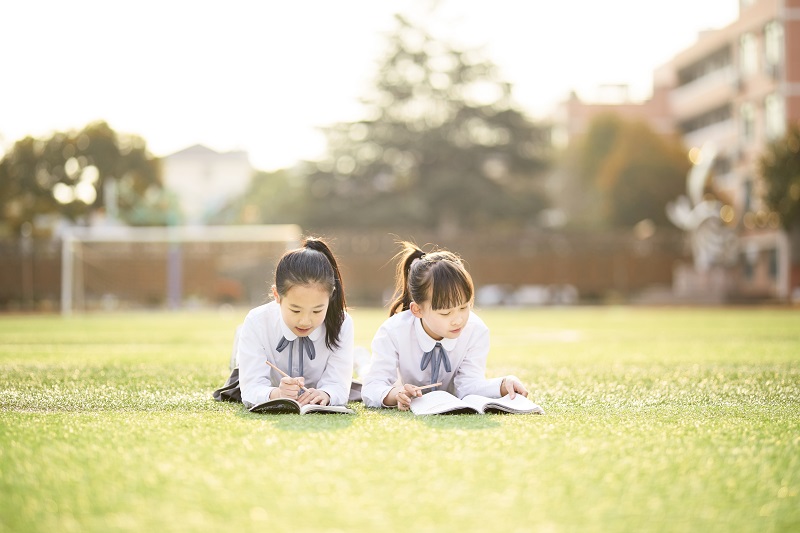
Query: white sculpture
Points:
[713, 242]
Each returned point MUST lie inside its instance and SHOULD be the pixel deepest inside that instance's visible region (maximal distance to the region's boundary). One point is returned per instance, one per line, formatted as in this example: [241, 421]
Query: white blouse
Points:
[397, 351]
[263, 328]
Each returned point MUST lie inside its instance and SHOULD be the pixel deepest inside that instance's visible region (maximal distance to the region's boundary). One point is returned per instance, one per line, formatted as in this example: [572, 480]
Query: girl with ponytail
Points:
[305, 331]
[431, 336]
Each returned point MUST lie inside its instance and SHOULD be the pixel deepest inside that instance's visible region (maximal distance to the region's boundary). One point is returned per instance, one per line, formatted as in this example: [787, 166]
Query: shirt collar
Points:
[426, 342]
[290, 335]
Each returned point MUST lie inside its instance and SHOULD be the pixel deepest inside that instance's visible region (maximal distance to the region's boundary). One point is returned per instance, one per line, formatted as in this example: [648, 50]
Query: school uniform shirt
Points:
[263, 328]
[398, 348]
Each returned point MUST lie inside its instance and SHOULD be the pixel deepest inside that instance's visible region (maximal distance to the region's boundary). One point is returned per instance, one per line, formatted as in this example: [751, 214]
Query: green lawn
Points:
[657, 420]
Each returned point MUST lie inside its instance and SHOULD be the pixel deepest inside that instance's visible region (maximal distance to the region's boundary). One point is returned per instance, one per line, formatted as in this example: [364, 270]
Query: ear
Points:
[275, 294]
[416, 310]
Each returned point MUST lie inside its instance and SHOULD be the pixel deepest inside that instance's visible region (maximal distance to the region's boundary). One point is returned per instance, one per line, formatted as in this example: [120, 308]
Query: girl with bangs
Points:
[300, 345]
[431, 336]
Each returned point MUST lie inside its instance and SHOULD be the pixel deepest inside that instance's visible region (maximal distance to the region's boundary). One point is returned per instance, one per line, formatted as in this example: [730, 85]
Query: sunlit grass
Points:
[657, 420]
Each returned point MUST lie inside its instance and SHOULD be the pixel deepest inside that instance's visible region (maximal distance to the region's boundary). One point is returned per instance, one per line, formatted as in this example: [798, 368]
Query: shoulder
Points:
[396, 326]
[476, 326]
[263, 312]
[400, 320]
[476, 321]
[347, 323]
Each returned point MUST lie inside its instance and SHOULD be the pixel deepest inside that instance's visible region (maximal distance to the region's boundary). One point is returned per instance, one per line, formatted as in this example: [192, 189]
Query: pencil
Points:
[428, 386]
[302, 390]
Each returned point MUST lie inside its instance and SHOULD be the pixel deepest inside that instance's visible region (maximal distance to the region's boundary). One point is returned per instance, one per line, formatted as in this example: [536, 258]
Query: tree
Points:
[271, 198]
[780, 170]
[71, 173]
[442, 147]
[625, 173]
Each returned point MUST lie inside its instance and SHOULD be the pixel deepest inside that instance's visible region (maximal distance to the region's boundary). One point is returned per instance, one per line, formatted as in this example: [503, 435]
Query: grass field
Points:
[657, 420]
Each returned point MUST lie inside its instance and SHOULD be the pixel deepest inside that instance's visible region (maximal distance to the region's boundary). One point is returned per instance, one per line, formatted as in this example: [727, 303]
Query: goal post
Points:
[154, 265]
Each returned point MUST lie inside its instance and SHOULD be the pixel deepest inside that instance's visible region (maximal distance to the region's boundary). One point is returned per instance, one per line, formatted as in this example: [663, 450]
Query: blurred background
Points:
[163, 155]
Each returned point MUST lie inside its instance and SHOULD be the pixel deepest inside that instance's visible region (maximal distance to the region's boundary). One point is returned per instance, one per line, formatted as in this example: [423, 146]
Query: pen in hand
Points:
[427, 386]
[284, 374]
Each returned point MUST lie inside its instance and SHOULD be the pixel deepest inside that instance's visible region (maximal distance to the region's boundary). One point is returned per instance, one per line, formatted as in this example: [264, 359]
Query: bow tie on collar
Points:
[303, 343]
[435, 358]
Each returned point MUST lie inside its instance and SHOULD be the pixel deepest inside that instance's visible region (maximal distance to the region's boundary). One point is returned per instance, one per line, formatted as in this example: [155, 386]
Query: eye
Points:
[445, 313]
[318, 312]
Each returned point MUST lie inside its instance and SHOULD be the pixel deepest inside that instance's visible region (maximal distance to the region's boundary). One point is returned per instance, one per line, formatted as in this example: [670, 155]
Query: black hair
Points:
[438, 276]
[314, 263]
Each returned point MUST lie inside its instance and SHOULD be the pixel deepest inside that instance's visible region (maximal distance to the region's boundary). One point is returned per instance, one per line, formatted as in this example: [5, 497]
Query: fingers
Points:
[514, 387]
[290, 387]
[314, 396]
[403, 399]
[412, 391]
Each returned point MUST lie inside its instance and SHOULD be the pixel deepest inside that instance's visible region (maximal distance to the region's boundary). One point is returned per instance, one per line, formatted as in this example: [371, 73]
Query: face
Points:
[442, 323]
[303, 307]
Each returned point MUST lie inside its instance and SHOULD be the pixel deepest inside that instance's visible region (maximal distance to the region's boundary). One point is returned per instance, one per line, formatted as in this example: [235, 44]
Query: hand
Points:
[512, 387]
[314, 396]
[290, 387]
[404, 396]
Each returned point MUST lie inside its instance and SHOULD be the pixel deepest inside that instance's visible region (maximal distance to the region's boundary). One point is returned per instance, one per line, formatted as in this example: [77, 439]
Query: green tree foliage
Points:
[626, 173]
[68, 174]
[442, 146]
[780, 169]
[271, 198]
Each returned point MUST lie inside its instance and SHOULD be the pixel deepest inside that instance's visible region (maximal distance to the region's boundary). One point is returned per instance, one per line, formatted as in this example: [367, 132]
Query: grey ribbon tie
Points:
[304, 343]
[435, 358]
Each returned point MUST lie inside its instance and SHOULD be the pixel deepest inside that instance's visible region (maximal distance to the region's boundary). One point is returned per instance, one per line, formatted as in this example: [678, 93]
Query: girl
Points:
[305, 331]
[432, 335]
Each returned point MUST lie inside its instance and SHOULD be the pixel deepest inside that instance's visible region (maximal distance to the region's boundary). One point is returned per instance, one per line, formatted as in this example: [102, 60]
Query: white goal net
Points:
[118, 267]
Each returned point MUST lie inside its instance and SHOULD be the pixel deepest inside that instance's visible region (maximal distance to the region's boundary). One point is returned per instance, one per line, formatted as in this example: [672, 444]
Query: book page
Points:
[520, 404]
[326, 409]
[439, 402]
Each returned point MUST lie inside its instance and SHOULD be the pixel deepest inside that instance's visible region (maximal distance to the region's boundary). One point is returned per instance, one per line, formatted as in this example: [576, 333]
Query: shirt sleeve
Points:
[254, 379]
[382, 374]
[471, 374]
[338, 373]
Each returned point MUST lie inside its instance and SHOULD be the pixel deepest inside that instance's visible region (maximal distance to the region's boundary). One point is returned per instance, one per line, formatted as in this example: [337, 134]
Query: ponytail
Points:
[312, 263]
[402, 294]
[438, 277]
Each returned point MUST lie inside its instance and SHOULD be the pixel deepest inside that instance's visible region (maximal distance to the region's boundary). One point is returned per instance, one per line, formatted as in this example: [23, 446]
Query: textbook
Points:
[441, 402]
[289, 406]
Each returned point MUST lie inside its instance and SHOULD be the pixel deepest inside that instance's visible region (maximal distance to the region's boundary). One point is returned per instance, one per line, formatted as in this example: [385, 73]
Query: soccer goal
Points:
[118, 267]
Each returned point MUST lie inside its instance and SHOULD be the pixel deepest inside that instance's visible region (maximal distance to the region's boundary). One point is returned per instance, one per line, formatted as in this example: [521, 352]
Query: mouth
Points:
[456, 331]
[303, 330]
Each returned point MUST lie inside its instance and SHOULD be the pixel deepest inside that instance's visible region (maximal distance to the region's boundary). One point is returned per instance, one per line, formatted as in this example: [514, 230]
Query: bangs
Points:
[451, 286]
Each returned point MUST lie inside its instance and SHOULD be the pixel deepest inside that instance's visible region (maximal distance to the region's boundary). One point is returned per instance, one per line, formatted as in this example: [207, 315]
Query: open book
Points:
[289, 406]
[441, 402]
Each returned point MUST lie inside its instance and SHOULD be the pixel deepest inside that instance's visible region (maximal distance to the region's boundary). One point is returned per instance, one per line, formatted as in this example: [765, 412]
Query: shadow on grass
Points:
[469, 422]
[315, 422]
[441, 421]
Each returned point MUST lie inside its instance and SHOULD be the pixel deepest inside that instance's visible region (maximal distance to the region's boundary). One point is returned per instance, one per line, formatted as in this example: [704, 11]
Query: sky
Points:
[264, 75]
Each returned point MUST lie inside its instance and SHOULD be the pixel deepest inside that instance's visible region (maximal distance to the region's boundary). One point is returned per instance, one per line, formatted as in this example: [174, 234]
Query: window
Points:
[773, 264]
[773, 43]
[774, 117]
[748, 54]
[746, 123]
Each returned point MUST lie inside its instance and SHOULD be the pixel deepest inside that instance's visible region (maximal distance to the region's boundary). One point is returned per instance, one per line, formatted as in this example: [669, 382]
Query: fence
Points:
[590, 266]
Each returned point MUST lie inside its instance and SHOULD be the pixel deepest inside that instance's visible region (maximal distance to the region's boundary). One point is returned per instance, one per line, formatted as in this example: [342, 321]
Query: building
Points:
[573, 117]
[738, 88]
[205, 180]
